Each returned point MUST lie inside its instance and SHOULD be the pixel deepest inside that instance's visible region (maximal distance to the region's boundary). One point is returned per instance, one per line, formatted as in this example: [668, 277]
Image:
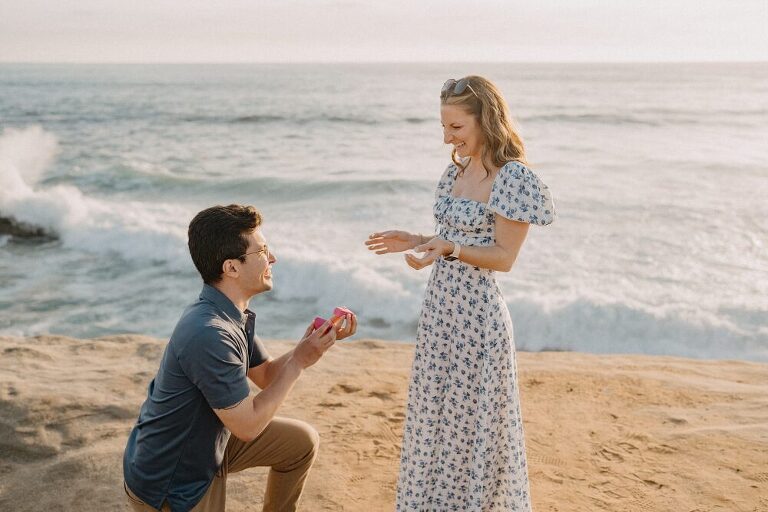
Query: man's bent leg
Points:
[288, 447]
[139, 506]
[214, 499]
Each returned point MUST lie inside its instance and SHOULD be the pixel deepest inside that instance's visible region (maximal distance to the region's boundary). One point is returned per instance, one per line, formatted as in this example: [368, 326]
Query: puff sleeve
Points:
[518, 194]
[445, 184]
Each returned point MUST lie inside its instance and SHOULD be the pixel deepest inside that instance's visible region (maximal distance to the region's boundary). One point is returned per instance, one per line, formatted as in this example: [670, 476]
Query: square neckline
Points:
[493, 186]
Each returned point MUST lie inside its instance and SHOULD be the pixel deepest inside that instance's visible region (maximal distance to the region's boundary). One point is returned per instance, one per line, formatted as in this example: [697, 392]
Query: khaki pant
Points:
[287, 446]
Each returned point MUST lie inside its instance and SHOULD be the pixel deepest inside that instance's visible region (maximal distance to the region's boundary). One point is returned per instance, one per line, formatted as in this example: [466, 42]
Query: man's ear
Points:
[229, 268]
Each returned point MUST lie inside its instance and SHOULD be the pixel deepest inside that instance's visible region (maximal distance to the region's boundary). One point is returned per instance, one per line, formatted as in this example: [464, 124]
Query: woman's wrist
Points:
[453, 250]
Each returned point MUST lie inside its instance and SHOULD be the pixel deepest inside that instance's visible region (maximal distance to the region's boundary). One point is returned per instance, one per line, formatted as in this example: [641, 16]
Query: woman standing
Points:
[463, 443]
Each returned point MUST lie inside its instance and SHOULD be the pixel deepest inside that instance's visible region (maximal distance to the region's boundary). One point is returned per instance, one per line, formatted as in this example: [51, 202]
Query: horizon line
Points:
[290, 62]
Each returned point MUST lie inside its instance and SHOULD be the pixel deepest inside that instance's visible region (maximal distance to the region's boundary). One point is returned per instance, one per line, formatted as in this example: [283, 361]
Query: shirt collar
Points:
[221, 301]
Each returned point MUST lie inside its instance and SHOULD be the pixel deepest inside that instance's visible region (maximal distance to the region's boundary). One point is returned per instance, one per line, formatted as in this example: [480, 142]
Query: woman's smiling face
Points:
[461, 129]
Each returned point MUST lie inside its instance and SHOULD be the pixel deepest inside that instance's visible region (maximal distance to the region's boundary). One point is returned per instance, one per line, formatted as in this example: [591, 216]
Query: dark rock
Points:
[16, 229]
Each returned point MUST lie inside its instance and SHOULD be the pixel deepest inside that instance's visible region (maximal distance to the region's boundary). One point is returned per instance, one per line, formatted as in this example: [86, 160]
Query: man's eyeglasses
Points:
[264, 250]
[456, 87]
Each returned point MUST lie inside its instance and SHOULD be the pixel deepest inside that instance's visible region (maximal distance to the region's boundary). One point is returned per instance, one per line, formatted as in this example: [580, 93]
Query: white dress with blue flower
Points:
[463, 442]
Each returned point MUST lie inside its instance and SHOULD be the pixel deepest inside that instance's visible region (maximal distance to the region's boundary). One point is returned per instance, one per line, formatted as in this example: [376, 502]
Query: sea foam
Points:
[132, 229]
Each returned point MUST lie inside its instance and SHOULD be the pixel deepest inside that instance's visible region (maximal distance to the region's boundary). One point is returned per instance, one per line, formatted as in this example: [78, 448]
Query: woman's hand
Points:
[432, 249]
[392, 241]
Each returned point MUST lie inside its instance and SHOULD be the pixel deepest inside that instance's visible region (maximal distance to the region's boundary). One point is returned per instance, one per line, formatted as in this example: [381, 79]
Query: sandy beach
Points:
[603, 432]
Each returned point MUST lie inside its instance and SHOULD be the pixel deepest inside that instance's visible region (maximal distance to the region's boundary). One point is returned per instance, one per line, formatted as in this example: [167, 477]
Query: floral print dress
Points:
[463, 443]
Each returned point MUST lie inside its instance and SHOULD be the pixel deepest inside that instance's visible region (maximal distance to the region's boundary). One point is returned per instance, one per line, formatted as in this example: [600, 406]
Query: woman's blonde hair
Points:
[502, 142]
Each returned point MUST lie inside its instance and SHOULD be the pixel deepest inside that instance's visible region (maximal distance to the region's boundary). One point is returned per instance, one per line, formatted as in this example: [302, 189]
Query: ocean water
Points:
[660, 176]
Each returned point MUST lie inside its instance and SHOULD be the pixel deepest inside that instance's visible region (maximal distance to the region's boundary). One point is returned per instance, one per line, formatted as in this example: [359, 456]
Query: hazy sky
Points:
[382, 30]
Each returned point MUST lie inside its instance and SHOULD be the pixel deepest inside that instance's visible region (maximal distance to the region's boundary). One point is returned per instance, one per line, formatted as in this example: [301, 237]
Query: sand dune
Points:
[618, 433]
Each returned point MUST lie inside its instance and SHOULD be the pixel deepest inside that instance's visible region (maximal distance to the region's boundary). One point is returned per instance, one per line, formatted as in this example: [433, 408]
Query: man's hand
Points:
[348, 328]
[314, 344]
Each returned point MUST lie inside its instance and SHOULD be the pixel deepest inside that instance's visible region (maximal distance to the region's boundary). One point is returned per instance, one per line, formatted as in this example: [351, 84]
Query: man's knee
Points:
[304, 442]
[308, 438]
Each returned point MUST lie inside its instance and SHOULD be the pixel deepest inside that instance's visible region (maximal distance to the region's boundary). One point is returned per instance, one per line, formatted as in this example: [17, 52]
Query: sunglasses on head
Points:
[455, 87]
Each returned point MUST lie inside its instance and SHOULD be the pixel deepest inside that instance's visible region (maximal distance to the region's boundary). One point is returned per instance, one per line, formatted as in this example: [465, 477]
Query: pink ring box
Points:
[338, 313]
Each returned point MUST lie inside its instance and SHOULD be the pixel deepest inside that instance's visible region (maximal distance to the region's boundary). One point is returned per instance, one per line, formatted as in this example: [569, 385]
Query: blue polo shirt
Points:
[178, 443]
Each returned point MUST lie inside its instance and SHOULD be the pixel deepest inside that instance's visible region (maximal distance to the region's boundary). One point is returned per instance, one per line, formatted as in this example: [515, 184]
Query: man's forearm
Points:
[266, 403]
[275, 367]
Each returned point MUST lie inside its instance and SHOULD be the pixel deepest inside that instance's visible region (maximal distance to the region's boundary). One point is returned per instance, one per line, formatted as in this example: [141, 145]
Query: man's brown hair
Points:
[219, 233]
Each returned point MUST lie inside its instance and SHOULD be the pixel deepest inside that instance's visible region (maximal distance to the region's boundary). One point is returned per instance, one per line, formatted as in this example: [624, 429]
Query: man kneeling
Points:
[180, 451]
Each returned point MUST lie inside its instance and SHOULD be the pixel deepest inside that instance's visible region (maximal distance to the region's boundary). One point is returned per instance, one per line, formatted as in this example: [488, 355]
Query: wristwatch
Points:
[455, 254]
